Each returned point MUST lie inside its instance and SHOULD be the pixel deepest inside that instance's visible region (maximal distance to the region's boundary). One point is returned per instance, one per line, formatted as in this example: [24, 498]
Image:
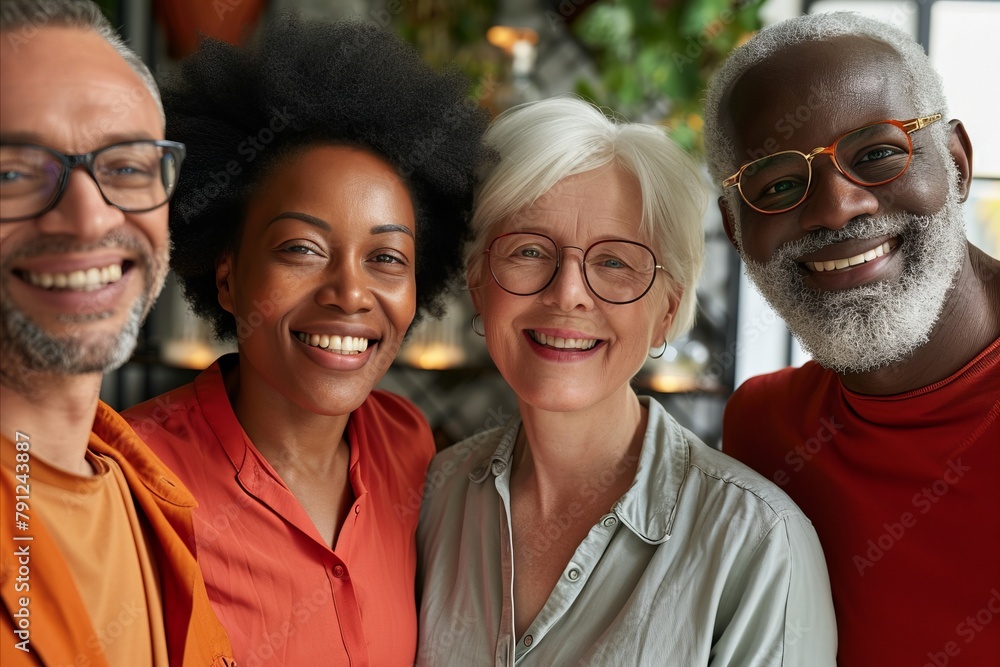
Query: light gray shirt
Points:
[701, 562]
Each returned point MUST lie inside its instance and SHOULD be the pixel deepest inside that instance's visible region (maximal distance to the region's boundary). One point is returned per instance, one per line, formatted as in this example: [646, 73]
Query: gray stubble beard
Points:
[28, 353]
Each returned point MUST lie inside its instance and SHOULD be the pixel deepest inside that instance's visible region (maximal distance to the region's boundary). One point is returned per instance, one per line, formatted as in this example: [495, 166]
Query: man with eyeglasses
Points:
[96, 565]
[850, 223]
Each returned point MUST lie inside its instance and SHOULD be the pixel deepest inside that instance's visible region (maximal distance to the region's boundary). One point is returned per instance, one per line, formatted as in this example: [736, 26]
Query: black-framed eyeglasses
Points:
[134, 176]
[616, 271]
[872, 155]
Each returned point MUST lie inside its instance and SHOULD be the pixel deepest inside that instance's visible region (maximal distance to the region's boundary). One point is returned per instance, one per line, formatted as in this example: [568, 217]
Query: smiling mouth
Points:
[335, 344]
[81, 280]
[563, 343]
[847, 262]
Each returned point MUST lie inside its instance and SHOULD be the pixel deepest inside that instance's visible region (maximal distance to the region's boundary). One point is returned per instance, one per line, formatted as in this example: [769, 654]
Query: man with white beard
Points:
[96, 566]
[843, 184]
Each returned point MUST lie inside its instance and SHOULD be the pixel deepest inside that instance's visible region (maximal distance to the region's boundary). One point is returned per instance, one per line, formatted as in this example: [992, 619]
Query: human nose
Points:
[81, 210]
[833, 199]
[568, 289]
[346, 286]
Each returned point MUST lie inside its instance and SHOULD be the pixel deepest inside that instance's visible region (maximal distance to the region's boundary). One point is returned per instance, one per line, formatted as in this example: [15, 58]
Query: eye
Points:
[879, 153]
[11, 174]
[388, 258]
[126, 168]
[297, 248]
[781, 187]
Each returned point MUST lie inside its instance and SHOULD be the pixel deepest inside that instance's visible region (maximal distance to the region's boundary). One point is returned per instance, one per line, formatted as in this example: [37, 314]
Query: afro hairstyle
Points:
[241, 110]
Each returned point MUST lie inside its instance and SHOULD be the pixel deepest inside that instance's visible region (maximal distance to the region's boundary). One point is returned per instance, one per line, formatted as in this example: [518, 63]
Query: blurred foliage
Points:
[452, 33]
[655, 57]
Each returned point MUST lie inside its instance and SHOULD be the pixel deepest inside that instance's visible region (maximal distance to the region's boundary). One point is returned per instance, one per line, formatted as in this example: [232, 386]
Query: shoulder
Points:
[174, 420]
[793, 383]
[142, 467]
[765, 414]
[396, 431]
[193, 428]
[471, 454]
[456, 468]
[157, 411]
[748, 489]
[393, 410]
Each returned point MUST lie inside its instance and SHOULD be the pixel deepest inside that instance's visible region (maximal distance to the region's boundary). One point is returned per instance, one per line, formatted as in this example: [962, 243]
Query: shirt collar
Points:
[647, 508]
[112, 436]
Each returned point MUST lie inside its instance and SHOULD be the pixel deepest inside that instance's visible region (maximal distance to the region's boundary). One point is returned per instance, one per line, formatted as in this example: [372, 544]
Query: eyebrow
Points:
[325, 226]
[304, 217]
[389, 229]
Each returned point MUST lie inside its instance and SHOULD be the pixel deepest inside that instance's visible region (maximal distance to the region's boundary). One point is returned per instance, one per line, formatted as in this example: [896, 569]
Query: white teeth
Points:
[562, 343]
[86, 281]
[338, 344]
[866, 256]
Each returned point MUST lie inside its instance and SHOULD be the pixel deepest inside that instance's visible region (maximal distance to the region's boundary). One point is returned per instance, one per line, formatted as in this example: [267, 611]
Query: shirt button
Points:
[499, 467]
[609, 521]
[357, 509]
[527, 640]
[338, 571]
[573, 574]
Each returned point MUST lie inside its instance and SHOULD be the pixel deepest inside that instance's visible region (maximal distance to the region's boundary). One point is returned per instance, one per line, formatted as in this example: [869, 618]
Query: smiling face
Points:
[76, 281]
[860, 274]
[564, 349]
[322, 283]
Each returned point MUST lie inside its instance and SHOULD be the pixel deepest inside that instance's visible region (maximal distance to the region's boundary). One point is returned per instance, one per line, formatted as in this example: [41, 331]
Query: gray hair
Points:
[28, 16]
[540, 143]
[922, 82]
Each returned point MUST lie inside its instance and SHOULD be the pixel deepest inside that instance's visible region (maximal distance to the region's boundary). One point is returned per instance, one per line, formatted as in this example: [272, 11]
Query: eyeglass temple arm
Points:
[920, 123]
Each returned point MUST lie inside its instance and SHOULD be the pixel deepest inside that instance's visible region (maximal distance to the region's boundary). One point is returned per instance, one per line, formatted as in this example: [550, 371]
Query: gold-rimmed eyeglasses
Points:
[872, 155]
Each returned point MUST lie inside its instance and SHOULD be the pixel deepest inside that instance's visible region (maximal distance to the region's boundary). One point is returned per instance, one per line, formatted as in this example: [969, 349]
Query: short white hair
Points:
[922, 83]
[540, 143]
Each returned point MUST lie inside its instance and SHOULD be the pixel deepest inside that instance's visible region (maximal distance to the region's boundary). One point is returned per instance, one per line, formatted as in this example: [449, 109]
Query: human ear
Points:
[961, 152]
[474, 283]
[663, 327]
[727, 222]
[224, 282]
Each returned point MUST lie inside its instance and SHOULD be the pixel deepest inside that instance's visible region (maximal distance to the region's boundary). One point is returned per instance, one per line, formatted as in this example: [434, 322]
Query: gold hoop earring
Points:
[481, 334]
[662, 352]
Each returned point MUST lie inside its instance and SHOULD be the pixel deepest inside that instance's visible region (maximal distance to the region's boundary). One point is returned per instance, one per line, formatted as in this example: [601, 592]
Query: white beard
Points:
[881, 323]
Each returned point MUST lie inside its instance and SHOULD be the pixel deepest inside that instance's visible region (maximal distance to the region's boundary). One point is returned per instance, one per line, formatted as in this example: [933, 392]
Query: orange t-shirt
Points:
[100, 534]
[283, 595]
[51, 587]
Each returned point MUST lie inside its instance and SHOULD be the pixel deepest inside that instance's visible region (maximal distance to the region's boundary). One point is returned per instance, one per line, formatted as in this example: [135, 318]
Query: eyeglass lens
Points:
[869, 156]
[136, 176]
[616, 271]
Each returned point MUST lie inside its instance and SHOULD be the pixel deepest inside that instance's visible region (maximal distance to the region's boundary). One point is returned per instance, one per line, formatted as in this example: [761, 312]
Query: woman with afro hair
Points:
[324, 202]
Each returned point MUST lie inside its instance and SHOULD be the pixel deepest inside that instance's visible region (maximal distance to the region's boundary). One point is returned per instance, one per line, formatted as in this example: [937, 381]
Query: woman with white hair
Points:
[592, 528]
